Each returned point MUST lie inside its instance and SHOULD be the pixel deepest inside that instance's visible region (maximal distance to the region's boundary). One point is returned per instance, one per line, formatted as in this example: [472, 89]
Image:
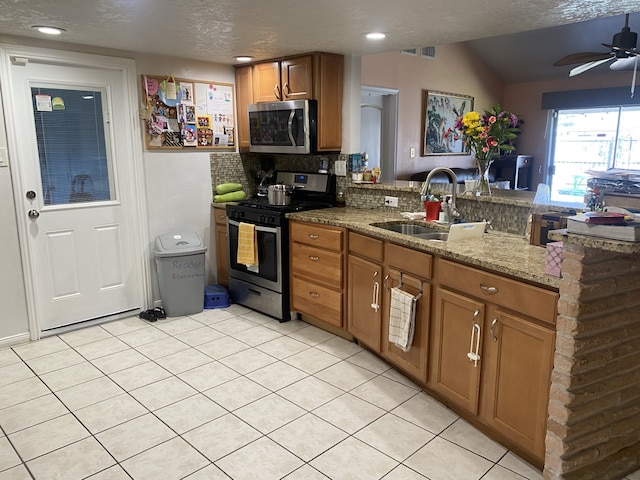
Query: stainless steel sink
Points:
[408, 228]
[443, 236]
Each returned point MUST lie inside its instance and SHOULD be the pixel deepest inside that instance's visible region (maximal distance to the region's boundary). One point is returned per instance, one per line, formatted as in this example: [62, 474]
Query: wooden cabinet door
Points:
[364, 288]
[244, 97]
[328, 91]
[266, 82]
[413, 362]
[453, 374]
[222, 252]
[296, 75]
[518, 362]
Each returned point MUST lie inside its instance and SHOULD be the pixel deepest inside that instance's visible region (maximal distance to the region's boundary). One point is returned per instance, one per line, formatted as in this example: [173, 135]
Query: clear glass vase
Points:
[483, 188]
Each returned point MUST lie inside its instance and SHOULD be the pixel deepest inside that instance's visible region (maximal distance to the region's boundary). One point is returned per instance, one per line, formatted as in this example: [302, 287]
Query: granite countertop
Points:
[498, 252]
[611, 245]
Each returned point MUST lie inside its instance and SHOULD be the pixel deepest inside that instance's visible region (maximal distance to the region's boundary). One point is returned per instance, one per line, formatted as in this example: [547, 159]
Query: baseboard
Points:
[14, 340]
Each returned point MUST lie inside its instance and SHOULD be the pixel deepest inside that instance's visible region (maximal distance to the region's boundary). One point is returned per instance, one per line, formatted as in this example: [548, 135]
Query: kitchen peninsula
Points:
[587, 427]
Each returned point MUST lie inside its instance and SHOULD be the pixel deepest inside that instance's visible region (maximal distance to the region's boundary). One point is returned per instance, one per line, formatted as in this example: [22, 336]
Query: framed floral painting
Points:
[439, 112]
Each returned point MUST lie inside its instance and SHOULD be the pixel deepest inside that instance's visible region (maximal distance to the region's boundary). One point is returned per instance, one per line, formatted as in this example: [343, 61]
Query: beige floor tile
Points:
[139, 375]
[8, 456]
[311, 360]
[210, 472]
[147, 430]
[269, 413]
[143, 336]
[248, 462]
[8, 357]
[308, 436]
[126, 325]
[85, 335]
[38, 348]
[211, 316]
[190, 413]
[311, 335]
[22, 391]
[175, 326]
[283, 347]
[403, 473]
[171, 460]
[443, 460]
[14, 373]
[162, 393]
[305, 472]
[233, 325]
[73, 462]
[353, 459]
[235, 432]
[119, 361]
[633, 476]
[469, 437]
[384, 393]
[310, 393]
[285, 327]
[516, 464]
[89, 393]
[247, 361]
[339, 347]
[55, 361]
[112, 473]
[277, 375]
[368, 360]
[48, 436]
[16, 473]
[256, 335]
[184, 360]
[109, 413]
[101, 348]
[500, 473]
[70, 376]
[349, 413]
[199, 336]
[162, 348]
[256, 317]
[236, 393]
[208, 376]
[394, 436]
[31, 412]
[396, 376]
[426, 412]
[222, 347]
[345, 375]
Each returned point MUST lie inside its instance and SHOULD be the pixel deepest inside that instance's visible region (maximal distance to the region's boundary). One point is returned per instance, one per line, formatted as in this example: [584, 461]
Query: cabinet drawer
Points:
[319, 302]
[323, 237]
[408, 260]
[220, 215]
[520, 297]
[323, 265]
[366, 246]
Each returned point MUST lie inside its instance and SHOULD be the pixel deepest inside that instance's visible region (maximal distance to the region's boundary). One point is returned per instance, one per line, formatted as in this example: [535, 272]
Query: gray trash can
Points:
[180, 266]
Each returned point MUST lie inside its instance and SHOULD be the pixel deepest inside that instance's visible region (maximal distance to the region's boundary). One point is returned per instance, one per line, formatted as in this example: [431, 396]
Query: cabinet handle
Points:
[493, 324]
[313, 237]
[489, 290]
[313, 258]
[286, 91]
[474, 354]
[376, 296]
[222, 217]
[475, 316]
[384, 282]
[314, 294]
[276, 92]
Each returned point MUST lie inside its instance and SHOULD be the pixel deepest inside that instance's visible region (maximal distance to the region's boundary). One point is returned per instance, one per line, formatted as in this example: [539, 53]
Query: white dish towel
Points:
[402, 318]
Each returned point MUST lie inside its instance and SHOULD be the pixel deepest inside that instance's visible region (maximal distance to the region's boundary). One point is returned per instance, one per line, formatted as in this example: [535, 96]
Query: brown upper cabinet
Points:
[314, 76]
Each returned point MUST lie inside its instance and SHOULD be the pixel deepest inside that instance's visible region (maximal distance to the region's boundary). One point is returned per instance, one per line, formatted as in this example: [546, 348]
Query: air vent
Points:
[429, 52]
[410, 51]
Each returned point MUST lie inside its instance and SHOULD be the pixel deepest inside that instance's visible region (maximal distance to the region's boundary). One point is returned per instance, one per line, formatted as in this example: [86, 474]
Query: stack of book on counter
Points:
[613, 225]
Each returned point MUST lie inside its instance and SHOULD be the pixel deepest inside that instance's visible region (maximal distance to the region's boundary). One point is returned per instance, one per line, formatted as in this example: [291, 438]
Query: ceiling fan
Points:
[623, 51]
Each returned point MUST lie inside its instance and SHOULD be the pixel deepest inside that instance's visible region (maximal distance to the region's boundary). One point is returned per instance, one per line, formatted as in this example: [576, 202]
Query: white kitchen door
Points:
[73, 150]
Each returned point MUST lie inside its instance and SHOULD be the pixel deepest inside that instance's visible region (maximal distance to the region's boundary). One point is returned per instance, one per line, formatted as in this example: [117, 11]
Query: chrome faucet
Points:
[454, 180]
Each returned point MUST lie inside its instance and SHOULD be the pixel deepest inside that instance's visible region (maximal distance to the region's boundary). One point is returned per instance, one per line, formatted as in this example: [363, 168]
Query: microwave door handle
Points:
[290, 128]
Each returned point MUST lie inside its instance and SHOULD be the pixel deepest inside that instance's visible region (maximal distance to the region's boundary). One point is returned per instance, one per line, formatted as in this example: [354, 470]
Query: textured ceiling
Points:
[217, 30]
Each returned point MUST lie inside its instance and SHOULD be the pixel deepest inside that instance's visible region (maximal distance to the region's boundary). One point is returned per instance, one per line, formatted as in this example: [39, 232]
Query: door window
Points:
[73, 151]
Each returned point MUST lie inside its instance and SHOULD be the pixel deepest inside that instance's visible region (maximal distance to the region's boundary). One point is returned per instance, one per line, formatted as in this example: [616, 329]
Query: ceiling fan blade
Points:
[625, 63]
[582, 57]
[588, 66]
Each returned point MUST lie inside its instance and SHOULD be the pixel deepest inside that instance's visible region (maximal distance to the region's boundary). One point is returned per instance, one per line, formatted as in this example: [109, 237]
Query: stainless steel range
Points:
[265, 287]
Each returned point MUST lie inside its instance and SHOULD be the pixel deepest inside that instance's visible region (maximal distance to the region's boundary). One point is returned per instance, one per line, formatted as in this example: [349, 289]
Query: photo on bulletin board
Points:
[181, 113]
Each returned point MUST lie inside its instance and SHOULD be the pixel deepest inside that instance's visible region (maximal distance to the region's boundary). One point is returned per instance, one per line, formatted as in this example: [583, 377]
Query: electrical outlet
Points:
[391, 201]
[412, 152]
[340, 167]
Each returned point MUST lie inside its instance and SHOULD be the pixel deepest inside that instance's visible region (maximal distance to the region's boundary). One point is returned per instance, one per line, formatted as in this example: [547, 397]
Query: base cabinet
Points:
[222, 250]
[364, 300]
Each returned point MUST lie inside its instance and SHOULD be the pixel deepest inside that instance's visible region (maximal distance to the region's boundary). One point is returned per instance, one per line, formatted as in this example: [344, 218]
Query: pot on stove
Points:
[280, 194]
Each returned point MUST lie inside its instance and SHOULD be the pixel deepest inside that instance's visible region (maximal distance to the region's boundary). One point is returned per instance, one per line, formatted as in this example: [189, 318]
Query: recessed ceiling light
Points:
[49, 30]
[375, 36]
[243, 58]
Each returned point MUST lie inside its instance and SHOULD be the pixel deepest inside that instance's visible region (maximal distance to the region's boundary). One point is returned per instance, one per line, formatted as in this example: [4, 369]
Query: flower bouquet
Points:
[486, 135]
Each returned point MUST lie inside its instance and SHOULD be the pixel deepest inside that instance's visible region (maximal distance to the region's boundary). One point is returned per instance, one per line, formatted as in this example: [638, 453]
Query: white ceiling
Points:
[217, 30]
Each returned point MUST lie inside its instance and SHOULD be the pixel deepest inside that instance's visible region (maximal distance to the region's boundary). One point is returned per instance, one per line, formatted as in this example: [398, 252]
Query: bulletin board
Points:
[182, 113]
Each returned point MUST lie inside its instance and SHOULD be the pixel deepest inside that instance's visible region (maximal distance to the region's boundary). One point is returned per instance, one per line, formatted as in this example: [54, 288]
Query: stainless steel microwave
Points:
[283, 127]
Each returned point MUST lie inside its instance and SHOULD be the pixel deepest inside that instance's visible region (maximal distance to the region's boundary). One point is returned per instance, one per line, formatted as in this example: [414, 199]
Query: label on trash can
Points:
[184, 269]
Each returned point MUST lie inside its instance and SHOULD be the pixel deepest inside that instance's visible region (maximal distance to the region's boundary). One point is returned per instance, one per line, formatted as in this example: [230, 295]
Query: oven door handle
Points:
[260, 228]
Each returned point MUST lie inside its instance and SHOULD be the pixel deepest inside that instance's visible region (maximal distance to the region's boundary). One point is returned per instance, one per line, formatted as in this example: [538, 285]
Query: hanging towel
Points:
[402, 318]
[247, 244]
